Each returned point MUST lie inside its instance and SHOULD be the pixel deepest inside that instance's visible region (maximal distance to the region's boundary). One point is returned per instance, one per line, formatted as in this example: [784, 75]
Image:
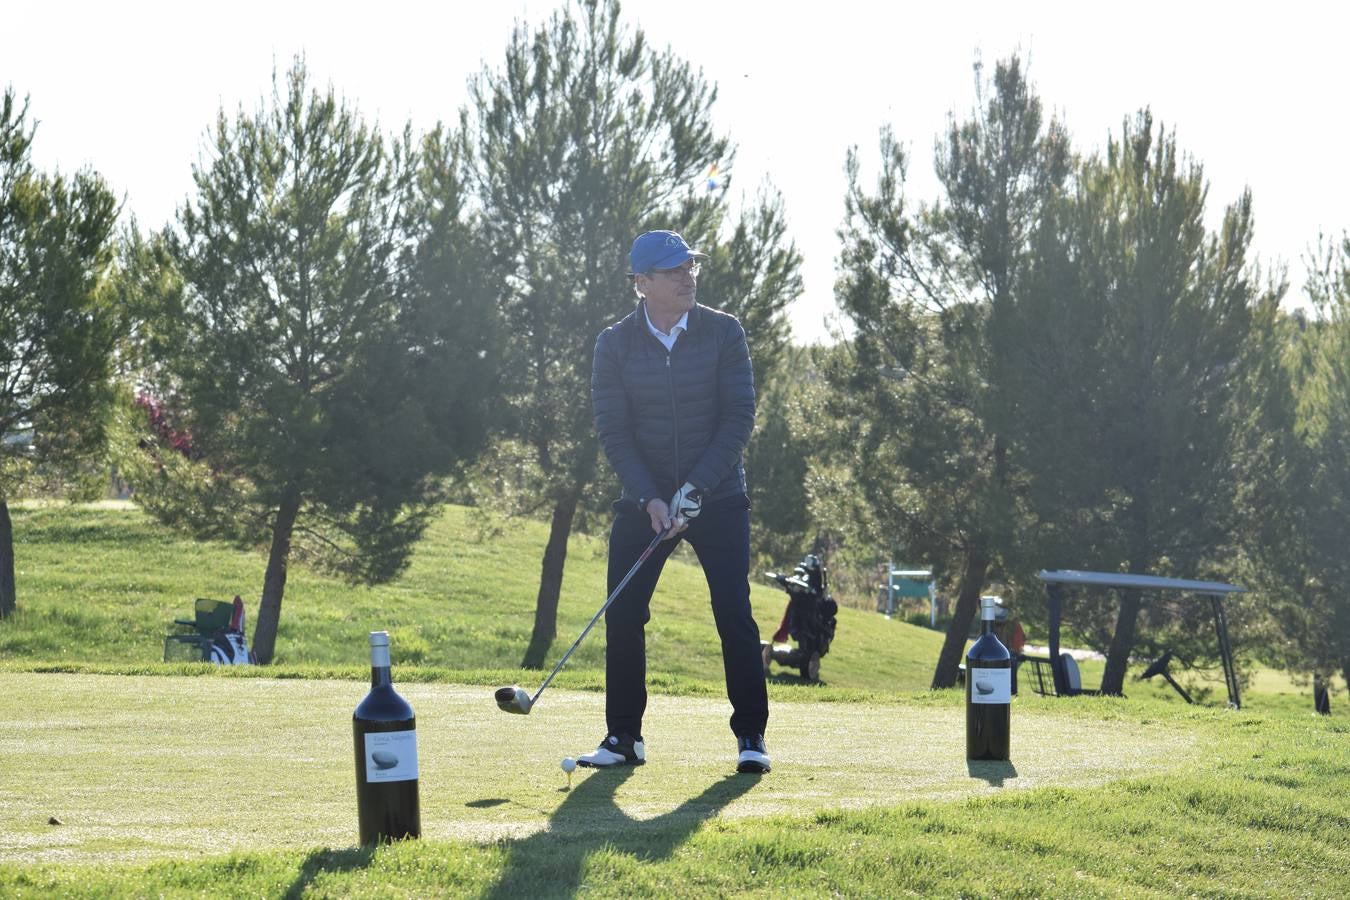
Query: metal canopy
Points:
[1056, 580]
[1142, 582]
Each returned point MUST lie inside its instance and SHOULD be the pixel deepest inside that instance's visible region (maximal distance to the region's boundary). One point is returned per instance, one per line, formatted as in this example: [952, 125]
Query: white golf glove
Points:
[687, 503]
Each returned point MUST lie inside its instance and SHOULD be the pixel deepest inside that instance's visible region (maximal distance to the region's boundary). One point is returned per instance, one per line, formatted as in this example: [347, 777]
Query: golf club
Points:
[1159, 667]
[514, 699]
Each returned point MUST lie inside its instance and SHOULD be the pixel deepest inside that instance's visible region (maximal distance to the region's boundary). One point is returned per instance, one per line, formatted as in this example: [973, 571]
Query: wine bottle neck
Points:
[379, 664]
[986, 615]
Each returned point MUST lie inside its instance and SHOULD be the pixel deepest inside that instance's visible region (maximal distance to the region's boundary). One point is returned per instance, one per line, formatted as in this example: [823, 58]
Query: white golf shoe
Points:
[615, 750]
[753, 756]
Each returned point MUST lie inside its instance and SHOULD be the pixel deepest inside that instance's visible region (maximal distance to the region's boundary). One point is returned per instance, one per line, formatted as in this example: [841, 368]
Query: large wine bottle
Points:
[988, 691]
[385, 733]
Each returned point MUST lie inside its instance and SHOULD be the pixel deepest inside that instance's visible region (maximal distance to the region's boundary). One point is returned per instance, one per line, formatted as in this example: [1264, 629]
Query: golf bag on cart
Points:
[809, 619]
[228, 646]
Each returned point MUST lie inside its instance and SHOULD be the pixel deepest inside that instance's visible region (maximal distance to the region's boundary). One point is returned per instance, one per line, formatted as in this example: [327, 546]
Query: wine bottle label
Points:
[991, 685]
[391, 756]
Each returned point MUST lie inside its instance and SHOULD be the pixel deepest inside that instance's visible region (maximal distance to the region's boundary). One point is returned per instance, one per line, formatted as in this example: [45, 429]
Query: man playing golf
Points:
[674, 401]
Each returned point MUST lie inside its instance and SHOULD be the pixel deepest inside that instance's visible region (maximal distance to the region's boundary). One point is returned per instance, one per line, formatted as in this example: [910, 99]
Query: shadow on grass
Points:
[799, 681]
[550, 863]
[61, 525]
[321, 861]
[994, 771]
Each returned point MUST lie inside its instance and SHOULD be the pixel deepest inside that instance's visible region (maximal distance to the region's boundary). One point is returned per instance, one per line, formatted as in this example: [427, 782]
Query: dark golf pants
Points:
[720, 537]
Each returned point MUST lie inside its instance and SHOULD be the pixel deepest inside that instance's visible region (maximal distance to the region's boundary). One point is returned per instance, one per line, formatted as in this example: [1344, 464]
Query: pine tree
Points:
[924, 288]
[584, 138]
[59, 322]
[1312, 599]
[1129, 342]
[327, 342]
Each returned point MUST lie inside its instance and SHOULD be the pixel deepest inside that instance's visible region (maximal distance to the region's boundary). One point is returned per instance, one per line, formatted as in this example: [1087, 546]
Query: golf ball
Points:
[568, 764]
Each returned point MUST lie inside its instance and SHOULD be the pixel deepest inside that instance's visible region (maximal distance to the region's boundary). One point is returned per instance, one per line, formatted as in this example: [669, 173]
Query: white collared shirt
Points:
[667, 340]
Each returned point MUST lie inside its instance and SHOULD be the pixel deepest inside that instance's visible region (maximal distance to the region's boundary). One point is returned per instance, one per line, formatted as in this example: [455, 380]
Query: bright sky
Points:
[1256, 92]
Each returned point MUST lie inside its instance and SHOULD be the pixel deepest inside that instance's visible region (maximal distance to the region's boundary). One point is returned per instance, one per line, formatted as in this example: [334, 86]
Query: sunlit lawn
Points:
[194, 780]
[244, 787]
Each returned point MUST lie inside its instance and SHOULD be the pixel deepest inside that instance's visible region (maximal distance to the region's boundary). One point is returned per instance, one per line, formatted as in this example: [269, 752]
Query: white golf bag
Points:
[229, 647]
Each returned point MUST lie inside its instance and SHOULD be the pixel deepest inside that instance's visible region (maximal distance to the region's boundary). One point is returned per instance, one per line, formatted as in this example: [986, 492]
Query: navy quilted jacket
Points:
[667, 418]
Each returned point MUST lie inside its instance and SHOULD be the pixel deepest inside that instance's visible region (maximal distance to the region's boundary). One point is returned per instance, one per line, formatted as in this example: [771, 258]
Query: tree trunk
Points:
[967, 602]
[550, 584]
[274, 580]
[1122, 642]
[8, 597]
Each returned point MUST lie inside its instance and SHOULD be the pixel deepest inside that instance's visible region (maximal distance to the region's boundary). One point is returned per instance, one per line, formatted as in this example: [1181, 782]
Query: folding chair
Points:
[209, 618]
[1042, 681]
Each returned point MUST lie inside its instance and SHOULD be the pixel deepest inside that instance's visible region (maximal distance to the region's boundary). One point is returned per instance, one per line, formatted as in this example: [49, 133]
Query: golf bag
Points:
[1321, 696]
[809, 620]
[229, 647]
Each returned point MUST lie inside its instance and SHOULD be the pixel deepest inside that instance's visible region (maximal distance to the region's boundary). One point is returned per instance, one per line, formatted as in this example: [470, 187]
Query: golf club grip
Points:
[600, 612]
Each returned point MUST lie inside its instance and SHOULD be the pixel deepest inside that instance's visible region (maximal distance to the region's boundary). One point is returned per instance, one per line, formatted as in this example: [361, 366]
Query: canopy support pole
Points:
[1056, 607]
[1225, 651]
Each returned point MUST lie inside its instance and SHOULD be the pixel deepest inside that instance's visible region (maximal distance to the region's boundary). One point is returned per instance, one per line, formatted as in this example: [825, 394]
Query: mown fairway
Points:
[194, 780]
[232, 786]
[219, 764]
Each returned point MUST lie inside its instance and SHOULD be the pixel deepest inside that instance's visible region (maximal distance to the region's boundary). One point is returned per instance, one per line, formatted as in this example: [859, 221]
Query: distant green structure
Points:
[910, 582]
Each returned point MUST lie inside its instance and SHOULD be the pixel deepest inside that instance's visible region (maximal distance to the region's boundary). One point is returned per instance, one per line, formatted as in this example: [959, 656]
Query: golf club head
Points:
[513, 700]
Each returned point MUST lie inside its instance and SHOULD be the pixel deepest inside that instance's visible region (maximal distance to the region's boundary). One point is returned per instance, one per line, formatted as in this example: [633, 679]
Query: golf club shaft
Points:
[1179, 689]
[622, 584]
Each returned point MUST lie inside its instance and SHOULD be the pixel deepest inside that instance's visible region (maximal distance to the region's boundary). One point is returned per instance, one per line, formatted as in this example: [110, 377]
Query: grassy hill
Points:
[101, 584]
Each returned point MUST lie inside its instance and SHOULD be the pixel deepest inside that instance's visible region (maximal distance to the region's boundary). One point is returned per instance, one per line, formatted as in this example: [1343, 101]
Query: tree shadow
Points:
[994, 771]
[328, 861]
[551, 861]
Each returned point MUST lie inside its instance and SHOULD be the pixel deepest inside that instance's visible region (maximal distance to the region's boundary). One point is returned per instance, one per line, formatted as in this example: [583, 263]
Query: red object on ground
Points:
[781, 635]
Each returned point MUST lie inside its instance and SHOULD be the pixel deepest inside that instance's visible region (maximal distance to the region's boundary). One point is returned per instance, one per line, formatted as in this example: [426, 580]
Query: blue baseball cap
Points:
[659, 250]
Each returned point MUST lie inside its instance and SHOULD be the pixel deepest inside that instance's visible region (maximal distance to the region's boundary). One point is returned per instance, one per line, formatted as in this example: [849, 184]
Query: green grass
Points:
[243, 787]
[193, 780]
[1265, 689]
[101, 585]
